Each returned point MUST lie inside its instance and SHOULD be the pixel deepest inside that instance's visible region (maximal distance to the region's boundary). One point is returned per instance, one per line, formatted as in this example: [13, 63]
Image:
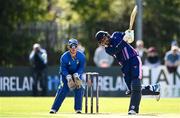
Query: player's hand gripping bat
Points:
[129, 34]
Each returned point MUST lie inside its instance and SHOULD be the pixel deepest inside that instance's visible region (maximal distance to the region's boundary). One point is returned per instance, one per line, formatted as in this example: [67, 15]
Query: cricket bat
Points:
[132, 17]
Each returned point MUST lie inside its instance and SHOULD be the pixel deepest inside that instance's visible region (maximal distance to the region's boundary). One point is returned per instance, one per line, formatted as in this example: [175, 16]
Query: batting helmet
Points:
[100, 35]
[72, 42]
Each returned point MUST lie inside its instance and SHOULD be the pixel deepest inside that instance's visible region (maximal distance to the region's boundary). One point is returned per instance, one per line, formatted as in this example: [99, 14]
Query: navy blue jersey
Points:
[120, 49]
[68, 65]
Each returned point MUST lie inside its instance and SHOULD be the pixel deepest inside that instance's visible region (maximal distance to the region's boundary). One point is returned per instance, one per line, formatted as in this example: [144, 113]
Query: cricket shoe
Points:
[157, 89]
[52, 111]
[132, 112]
[78, 112]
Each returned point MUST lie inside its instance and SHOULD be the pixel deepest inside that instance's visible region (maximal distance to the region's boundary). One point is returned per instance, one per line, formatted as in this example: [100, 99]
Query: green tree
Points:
[15, 43]
[81, 19]
[161, 23]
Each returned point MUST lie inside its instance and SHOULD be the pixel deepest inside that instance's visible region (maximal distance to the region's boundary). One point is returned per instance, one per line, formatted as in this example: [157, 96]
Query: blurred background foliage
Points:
[52, 22]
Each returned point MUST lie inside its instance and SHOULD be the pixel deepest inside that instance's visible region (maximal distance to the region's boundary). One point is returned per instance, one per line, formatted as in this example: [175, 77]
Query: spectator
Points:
[38, 59]
[172, 59]
[81, 48]
[102, 59]
[152, 59]
[174, 42]
[142, 52]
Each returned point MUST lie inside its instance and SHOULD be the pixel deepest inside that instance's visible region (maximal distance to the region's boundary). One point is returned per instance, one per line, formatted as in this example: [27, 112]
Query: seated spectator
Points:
[152, 59]
[172, 59]
[102, 59]
[141, 50]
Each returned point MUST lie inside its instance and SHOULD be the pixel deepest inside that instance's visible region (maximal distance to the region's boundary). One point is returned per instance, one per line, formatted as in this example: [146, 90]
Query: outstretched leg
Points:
[152, 90]
[149, 90]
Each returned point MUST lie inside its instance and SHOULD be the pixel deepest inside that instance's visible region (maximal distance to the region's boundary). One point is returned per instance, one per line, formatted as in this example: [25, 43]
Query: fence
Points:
[18, 81]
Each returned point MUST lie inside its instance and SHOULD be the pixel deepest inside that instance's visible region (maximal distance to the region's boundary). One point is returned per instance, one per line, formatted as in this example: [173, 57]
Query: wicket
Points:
[90, 76]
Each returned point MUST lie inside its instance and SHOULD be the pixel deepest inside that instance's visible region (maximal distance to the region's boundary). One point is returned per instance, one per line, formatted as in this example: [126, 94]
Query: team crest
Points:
[77, 62]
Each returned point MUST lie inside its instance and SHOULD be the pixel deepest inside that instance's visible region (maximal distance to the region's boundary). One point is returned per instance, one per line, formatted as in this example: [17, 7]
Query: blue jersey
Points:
[68, 65]
[120, 49]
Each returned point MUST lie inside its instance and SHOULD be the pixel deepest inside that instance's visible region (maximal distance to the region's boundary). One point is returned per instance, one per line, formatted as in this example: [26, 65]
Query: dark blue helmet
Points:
[72, 42]
[100, 35]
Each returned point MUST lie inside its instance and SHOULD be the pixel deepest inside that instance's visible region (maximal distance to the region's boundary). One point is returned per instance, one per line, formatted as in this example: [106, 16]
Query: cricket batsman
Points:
[117, 45]
[72, 64]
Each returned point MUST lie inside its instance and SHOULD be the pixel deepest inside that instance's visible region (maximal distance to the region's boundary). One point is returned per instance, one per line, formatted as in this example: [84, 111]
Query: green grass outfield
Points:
[38, 107]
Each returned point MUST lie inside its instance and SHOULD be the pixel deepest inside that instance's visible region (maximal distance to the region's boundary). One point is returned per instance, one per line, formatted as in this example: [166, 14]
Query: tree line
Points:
[53, 22]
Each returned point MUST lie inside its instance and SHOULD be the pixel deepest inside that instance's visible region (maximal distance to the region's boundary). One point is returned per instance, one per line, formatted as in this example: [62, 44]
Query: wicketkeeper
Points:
[72, 64]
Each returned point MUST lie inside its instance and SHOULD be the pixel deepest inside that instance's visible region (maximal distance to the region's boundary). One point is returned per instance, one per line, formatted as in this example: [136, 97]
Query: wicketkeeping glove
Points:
[71, 83]
[77, 80]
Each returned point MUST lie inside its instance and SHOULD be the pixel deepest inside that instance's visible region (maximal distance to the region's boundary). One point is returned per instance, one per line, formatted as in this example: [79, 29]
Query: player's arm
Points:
[129, 36]
[63, 67]
[76, 76]
[64, 71]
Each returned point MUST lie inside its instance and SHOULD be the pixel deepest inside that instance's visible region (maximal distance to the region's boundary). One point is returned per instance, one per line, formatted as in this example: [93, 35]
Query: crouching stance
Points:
[117, 45]
[72, 64]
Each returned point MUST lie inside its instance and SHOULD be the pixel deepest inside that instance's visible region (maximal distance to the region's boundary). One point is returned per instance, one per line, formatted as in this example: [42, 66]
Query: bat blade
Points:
[132, 17]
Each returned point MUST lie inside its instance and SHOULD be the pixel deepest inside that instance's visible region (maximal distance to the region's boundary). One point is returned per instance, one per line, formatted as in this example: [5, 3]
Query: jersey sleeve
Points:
[117, 38]
[63, 66]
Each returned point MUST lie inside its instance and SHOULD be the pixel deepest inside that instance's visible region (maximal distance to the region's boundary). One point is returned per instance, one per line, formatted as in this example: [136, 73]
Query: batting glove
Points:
[129, 36]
